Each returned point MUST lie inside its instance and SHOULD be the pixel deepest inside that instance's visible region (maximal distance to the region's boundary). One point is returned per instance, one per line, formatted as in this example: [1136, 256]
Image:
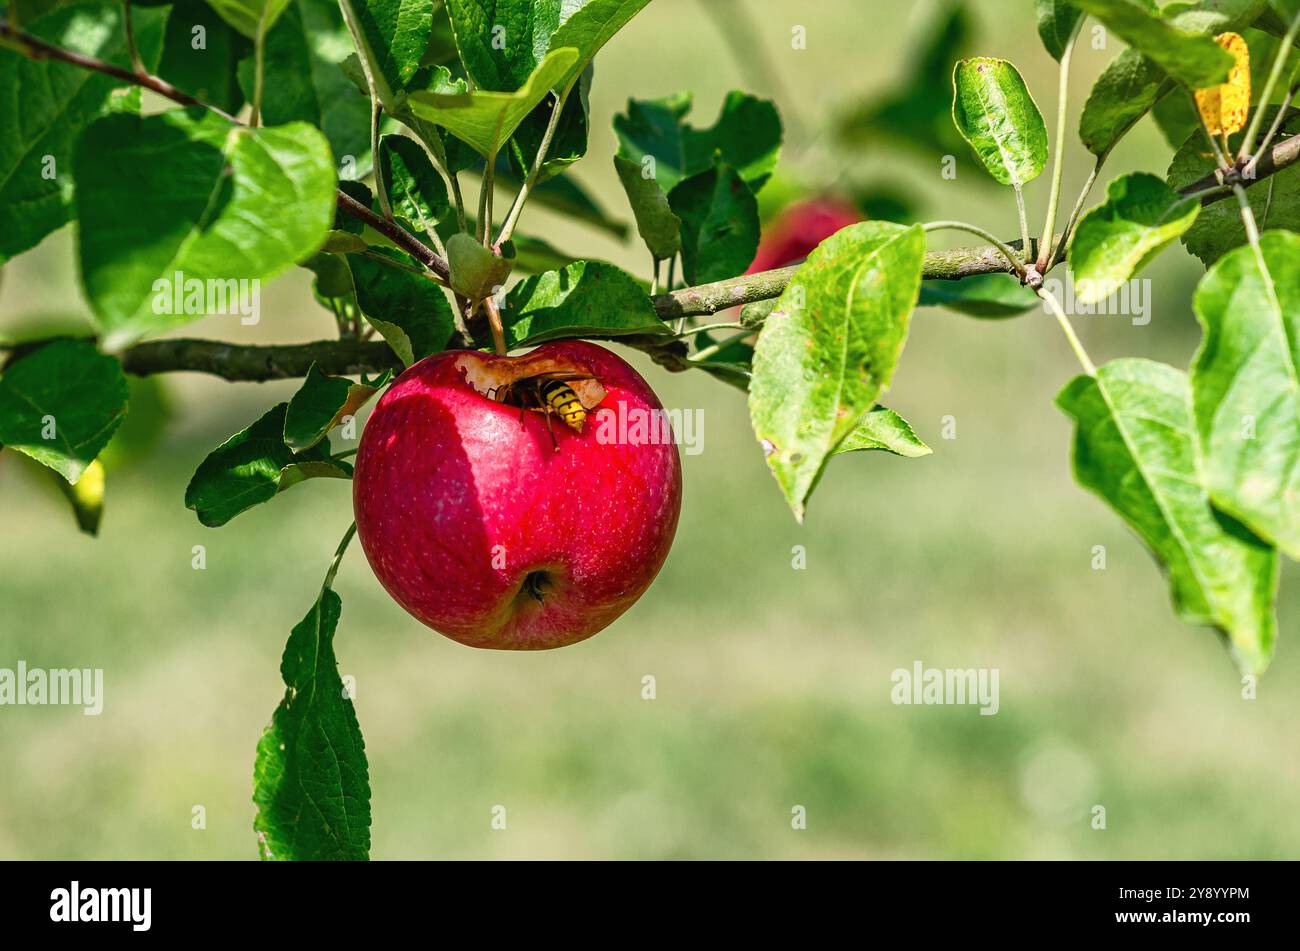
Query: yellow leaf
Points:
[1224, 107]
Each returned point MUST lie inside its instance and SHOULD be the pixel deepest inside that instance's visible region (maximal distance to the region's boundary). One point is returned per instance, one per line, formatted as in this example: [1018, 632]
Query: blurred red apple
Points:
[489, 531]
[792, 234]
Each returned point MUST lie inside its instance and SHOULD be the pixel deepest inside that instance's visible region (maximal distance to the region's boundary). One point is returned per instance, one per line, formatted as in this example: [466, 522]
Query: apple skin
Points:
[798, 229]
[457, 503]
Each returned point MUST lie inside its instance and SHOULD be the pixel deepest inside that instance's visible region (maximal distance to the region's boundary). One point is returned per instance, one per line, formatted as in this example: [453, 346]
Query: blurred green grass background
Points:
[773, 684]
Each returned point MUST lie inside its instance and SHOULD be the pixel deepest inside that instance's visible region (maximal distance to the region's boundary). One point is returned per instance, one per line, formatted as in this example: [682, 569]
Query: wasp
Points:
[548, 393]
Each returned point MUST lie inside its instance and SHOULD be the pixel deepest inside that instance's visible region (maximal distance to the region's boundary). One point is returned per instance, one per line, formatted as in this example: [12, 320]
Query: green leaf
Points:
[415, 189]
[321, 403]
[397, 32]
[61, 405]
[1247, 387]
[501, 42]
[590, 27]
[829, 348]
[659, 228]
[1132, 84]
[206, 72]
[454, 155]
[1057, 20]
[311, 781]
[995, 113]
[409, 311]
[252, 467]
[343, 242]
[303, 81]
[1135, 447]
[85, 496]
[986, 296]
[1115, 240]
[1192, 59]
[1275, 201]
[1177, 119]
[746, 136]
[191, 195]
[252, 18]
[569, 141]
[476, 272]
[1123, 94]
[885, 430]
[485, 120]
[488, 32]
[719, 224]
[585, 299]
[44, 105]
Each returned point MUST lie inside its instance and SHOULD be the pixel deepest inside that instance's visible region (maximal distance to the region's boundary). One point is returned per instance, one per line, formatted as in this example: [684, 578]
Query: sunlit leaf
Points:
[1192, 59]
[311, 781]
[61, 405]
[995, 113]
[302, 81]
[883, 429]
[1115, 240]
[828, 350]
[1246, 384]
[1057, 20]
[485, 120]
[1135, 447]
[179, 198]
[253, 18]
[585, 299]
[44, 106]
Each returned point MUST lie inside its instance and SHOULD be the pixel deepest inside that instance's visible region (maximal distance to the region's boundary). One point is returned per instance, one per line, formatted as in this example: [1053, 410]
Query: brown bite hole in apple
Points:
[495, 377]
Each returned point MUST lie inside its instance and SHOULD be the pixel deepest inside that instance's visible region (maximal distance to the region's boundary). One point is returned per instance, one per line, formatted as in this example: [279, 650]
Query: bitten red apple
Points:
[491, 533]
[793, 234]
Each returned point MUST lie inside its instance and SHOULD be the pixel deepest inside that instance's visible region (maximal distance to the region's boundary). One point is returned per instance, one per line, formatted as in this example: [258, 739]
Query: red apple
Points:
[490, 532]
[793, 234]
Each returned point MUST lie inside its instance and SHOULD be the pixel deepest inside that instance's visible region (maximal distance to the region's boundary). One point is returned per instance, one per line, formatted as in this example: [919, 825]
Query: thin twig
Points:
[1013, 259]
[512, 217]
[1274, 74]
[129, 27]
[1058, 163]
[1076, 344]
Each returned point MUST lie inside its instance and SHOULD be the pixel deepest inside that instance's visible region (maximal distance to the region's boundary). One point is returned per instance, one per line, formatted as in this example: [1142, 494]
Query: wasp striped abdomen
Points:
[559, 396]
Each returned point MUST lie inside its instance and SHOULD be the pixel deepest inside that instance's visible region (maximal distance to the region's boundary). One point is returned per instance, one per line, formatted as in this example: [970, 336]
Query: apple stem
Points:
[494, 322]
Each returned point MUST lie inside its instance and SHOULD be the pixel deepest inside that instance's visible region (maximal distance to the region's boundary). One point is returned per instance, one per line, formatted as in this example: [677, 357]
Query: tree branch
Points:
[260, 363]
[347, 357]
[36, 48]
[950, 265]
[396, 234]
